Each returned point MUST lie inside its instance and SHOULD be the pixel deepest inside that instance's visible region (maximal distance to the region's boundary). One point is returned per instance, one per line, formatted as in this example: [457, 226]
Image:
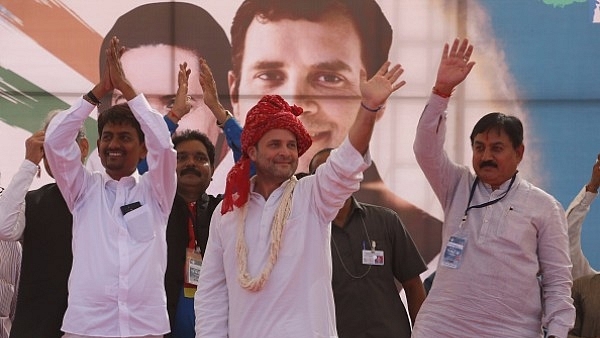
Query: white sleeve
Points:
[12, 202]
[576, 213]
[211, 302]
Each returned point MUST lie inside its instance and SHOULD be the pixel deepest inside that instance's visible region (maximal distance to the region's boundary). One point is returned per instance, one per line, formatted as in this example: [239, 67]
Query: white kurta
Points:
[297, 299]
[116, 286]
[516, 266]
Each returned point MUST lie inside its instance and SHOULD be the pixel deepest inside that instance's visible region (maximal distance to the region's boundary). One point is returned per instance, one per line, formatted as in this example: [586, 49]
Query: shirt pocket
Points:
[139, 224]
[516, 227]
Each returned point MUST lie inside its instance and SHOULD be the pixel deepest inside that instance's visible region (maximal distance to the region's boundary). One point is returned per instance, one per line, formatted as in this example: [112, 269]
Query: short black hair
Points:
[511, 125]
[119, 114]
[373, 28]
[179, 24]
[311, 165]
[194, 135]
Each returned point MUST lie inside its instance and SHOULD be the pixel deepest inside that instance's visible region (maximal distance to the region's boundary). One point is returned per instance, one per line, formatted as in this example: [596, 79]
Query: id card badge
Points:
[455, 249]
[193, 265]
[372, 257]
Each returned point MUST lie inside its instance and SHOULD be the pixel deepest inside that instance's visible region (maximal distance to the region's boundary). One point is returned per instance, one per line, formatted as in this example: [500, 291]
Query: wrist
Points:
[91, 98]
[441, 91]
[593, 188]
[227, 115]
[173, 116]
[371, 108]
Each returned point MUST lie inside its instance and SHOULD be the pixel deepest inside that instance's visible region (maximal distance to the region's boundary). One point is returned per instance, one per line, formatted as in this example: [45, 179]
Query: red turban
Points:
[271, 112]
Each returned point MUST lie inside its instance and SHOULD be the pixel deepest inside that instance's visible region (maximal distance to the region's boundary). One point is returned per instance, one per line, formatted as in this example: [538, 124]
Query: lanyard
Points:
[192, 223]
[469, 206]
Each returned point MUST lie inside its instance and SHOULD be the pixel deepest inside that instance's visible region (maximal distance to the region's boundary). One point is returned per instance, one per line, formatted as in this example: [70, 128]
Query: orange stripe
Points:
[59, 31]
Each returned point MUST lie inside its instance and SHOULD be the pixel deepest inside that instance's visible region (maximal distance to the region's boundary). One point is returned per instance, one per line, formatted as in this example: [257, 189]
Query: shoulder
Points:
[536, 195]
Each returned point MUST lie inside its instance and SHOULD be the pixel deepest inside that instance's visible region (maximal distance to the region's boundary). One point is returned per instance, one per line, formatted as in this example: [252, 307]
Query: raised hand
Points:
[211, 96]
[454, 66]
[594, 182]
[117, 75]
[378, 88]
[182, 104]
[34, 147]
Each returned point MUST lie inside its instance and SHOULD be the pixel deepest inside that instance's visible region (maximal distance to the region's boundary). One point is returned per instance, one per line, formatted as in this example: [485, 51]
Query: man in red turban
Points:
[271, 112]
[267, 265]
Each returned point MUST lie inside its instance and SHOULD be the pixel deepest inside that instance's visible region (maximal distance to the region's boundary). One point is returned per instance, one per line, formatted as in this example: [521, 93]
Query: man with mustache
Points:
[504, 270]
[187, 230]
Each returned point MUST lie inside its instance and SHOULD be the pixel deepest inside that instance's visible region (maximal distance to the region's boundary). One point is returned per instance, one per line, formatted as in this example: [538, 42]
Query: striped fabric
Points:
[10, 265]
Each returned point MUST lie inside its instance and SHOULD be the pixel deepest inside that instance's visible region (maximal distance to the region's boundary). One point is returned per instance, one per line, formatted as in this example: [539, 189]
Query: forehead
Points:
[282, 135]
[334, 37]
[191, 146]
[492, 135]
[118, 128]
[153, 70]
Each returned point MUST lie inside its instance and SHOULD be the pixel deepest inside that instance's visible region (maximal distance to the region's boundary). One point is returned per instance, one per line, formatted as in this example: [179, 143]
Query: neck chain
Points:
[340, 256]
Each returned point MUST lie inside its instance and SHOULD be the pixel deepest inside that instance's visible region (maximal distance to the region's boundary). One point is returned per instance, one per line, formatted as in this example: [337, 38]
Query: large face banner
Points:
[537, 59]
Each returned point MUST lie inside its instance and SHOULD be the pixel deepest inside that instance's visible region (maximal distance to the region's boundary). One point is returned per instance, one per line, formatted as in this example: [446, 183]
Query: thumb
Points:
[363, 75]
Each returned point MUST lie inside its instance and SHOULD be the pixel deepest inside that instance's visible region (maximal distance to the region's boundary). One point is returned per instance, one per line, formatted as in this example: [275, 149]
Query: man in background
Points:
[370, 248]
[41, 220]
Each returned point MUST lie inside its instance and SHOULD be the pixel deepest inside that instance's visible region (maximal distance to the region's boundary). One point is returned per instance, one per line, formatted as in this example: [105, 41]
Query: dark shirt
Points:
[586, 298]
[46, 265]
[177, 242]
[367, 304]
[424, 229]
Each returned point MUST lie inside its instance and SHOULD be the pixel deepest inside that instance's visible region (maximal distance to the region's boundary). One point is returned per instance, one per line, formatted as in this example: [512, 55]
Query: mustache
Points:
[191, 170]
[488, 164]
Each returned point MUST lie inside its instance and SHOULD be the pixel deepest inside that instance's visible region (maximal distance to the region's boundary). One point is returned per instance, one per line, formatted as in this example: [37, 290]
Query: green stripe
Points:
[25, 105]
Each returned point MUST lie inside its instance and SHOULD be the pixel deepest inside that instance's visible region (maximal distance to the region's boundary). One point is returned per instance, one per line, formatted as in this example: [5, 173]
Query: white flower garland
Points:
[281, 216]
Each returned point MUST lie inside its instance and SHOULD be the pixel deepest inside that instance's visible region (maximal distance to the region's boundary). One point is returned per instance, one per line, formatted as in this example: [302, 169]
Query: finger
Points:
[398, 85]
[469, 52]
[463, 47]
[384, 68]
[454, 48]
[445, 51]
[396, 73]
[469, 67]
[363, 75]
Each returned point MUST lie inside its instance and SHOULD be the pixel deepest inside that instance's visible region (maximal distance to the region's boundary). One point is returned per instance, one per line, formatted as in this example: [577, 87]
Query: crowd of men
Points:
[140, 246]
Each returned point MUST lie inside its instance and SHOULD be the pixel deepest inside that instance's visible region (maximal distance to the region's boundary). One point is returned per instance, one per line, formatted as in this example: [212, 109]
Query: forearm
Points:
[415, 296]
[62, 151]
[12, 202]
[161, 156]
[576, 214]
[233, 135]
[362, 129]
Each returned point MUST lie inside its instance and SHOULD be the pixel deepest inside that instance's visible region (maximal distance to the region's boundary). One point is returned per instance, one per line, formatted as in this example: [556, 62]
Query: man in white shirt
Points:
[576, 213]
[267, 267]
[505, 267]
[41, 220]
[116, 286]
